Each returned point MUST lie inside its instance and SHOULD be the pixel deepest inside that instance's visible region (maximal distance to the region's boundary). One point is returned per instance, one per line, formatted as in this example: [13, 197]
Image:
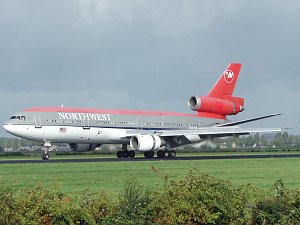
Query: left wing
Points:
[211, 132]
[207, 132]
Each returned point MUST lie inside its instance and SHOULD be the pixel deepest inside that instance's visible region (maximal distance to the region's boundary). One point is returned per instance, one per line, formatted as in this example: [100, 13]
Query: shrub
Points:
[198, 199]
[281, 207]
[99, 205]
[132, 205]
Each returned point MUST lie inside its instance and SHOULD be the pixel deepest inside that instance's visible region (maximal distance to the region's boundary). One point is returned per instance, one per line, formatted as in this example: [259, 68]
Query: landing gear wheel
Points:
[45, 156]
[172, 154]
[160, 154]
[166, 154]
[149, 154]
[131, 154]
[120, 154]
[126, 154]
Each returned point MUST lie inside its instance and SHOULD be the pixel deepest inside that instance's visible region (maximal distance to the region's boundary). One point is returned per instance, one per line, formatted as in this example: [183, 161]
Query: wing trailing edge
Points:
[230, 124]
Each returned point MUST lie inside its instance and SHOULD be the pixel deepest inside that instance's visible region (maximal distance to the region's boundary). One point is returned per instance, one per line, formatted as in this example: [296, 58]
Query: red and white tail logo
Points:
[228, 76]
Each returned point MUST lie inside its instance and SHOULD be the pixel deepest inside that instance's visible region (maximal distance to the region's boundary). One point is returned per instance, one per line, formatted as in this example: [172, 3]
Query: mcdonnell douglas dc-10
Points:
[85, 129]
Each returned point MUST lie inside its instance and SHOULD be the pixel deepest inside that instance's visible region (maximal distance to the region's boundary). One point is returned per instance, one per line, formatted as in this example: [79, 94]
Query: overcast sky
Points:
[153, 55]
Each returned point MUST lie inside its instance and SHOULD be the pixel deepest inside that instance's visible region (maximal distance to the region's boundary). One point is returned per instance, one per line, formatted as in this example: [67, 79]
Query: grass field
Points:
[72, 178]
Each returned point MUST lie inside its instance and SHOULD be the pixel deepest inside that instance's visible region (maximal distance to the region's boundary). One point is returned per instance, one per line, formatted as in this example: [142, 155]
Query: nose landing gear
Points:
[45, 156]
[48, 147]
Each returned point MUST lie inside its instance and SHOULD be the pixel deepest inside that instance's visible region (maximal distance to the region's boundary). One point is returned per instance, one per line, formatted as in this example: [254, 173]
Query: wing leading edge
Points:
[222, 130]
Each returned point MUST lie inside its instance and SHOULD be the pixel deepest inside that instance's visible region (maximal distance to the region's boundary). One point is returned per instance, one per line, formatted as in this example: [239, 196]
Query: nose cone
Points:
[14, 129]
[9, 128]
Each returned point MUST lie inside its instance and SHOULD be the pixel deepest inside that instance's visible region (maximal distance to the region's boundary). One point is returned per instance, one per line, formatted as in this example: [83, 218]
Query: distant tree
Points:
[285, 137]
[278, 140]
[264, 141]
[2, 149]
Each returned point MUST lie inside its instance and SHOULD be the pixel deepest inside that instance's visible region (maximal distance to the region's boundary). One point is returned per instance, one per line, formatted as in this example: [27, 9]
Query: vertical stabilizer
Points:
[226, 83]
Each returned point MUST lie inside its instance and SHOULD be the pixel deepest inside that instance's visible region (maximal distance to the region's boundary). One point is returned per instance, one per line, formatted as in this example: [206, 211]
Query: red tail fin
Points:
[226, 83]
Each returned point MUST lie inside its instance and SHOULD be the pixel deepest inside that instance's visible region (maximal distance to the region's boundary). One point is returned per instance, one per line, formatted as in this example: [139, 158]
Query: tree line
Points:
[279, 140]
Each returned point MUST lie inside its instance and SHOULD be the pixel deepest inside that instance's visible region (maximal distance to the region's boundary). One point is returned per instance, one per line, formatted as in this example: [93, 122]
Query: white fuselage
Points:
[70, 125]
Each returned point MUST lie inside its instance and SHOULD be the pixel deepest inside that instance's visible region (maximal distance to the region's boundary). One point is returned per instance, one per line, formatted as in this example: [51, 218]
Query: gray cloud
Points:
[148, 54]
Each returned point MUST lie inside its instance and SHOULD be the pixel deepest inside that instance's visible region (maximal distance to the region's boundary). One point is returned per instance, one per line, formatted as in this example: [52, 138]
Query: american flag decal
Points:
[63, 129]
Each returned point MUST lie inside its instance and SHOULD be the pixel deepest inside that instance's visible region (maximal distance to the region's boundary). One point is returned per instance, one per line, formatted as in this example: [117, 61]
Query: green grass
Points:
[111, 176]
[72, 155]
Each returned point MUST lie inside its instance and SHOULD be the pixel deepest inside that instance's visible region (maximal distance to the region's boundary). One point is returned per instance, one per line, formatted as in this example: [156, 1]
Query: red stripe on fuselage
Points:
[120, 111]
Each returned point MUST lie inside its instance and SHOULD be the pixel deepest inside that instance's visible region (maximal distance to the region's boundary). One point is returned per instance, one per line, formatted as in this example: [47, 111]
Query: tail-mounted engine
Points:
[229, 105]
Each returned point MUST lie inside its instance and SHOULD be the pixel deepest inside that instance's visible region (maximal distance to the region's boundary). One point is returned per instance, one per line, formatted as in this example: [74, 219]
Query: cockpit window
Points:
[18, 118]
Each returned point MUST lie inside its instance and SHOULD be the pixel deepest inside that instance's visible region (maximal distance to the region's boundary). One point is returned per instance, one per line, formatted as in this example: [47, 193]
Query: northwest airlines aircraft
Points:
[146, 131]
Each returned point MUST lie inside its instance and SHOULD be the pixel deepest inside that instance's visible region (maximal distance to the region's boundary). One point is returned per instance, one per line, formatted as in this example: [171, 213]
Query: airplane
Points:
[85, 129]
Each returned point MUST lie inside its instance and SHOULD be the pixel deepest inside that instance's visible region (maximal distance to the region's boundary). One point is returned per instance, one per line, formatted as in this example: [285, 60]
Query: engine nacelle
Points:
[83, 147]
[229, 106]
[145, 143]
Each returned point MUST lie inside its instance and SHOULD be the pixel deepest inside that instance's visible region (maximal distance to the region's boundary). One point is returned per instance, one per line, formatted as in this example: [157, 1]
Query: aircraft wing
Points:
[248, 120]
[208, 132]
[211, 132]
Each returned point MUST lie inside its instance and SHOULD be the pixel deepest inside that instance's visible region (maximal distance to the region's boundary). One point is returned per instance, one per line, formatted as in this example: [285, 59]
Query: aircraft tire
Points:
[160, 154]
[172, 154]
[126, 154]
[166, 154]
[149, 154]
[131, 154]
[119, 154]
[45, 156]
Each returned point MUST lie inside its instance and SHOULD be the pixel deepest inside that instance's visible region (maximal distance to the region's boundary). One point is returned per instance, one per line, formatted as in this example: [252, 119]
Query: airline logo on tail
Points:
[228, 76]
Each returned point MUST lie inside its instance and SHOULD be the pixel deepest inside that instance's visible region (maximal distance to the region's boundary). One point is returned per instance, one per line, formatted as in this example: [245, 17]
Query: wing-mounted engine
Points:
[229, 105]
[145, 142]
[83, 147]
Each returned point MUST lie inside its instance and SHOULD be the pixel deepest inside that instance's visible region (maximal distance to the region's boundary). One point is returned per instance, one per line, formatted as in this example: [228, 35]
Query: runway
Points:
[139, 159]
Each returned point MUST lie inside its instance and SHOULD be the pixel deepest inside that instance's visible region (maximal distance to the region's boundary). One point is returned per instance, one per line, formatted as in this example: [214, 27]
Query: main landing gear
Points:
[125, 153]
[166, 154]
[160, 154]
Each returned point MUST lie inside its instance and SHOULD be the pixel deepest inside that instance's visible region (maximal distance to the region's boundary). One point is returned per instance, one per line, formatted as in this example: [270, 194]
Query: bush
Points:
[132, 205]
[99, 205]
[195, 199]
[198, 199]
[39, 206]
[283, 207]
